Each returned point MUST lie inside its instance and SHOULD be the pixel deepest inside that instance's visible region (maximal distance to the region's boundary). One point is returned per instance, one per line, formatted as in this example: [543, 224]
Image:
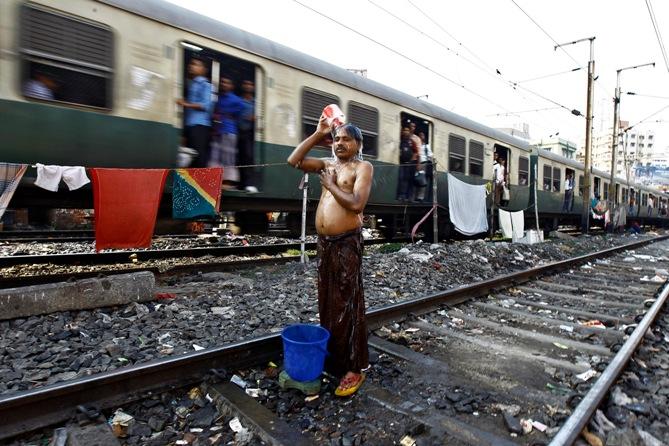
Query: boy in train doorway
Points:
[346, 183]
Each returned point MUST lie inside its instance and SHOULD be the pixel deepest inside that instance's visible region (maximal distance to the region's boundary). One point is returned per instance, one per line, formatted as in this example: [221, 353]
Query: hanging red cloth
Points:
[126, 205]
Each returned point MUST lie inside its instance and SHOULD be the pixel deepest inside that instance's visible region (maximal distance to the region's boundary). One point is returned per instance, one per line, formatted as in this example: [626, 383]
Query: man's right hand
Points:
[323, 127]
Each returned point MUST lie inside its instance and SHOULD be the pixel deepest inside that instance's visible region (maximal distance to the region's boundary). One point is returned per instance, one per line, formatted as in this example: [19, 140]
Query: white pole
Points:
[303, 238]
[536, 202]
[435, 210]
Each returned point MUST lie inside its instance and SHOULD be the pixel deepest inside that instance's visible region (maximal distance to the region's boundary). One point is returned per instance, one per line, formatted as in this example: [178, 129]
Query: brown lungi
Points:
[341, 304]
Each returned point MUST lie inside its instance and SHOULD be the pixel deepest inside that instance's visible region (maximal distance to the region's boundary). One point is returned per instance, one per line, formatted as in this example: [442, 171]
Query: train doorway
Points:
[219, 70]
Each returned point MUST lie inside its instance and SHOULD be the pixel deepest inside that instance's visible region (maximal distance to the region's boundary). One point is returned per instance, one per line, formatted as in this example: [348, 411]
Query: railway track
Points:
[535, 322]
[131, 257]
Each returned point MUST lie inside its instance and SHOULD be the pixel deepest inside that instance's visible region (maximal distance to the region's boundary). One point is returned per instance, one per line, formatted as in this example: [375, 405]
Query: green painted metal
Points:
[35, 132]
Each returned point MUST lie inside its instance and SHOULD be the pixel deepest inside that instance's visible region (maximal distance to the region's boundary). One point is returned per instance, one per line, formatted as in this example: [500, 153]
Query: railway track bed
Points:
[458, 370]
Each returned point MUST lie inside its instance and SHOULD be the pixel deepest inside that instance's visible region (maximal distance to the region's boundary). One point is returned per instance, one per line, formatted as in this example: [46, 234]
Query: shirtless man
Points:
[346, 181]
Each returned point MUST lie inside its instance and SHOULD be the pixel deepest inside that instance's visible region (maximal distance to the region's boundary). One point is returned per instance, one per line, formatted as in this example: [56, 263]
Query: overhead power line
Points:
[545, 76]
[546, 33]
[441, 75]
[498, 77]
[653, 19]
[525, 111]
[647, 118]
[631, 93]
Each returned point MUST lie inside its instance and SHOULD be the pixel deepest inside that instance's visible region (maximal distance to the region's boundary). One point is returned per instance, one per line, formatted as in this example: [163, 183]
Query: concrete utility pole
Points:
[585, 215]
[614, 144]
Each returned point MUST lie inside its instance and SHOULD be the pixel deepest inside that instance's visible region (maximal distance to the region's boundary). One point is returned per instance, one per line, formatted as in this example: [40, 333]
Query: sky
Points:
[466, 56]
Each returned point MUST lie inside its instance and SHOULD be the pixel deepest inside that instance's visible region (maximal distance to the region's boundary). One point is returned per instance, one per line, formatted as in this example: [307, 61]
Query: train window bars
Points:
[313, 103]
[557, 179]
[548, 178]
[366, 118]
[65, 59]
[476, 158]
[523, 171]
[457, 153]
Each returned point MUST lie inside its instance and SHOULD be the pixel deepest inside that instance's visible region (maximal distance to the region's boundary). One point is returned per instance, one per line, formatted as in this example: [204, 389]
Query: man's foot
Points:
[350, 384]
[251, 189]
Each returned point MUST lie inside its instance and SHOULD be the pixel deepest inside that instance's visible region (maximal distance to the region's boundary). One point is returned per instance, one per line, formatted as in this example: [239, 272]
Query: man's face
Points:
[196, 68]
[346, 147]
[247, 87]
[226, 85]
[412, 126]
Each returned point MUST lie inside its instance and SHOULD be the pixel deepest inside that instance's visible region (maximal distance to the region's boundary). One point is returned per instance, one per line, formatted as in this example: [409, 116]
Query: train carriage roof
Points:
[179, 17]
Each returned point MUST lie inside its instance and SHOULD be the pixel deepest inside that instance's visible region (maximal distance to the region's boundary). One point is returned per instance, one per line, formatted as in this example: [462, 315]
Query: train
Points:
[122, 64]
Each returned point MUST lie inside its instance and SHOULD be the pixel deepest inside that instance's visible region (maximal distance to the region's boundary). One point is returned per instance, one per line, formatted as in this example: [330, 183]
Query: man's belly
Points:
[333, 219]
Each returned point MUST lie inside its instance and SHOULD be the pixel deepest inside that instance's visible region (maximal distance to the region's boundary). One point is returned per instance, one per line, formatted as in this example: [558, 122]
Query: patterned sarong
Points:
[341, 304]
[126, 206]
[196, 192]
[10, 176]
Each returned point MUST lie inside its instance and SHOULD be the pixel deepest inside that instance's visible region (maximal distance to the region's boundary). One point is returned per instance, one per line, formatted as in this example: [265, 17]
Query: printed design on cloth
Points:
[126, 205]
[196, 192]
[10, 176]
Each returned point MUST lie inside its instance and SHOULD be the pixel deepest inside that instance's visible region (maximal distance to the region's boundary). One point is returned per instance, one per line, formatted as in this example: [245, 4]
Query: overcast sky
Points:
[451, 51]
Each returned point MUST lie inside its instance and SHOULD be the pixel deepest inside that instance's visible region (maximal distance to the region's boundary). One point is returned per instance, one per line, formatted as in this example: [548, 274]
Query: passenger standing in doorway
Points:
[228, 112]
[197, 111]
[650, 205]
[246, 138]
[425, 159]
[568, 193]
[499, 179]
[346, 182]
[408, 165]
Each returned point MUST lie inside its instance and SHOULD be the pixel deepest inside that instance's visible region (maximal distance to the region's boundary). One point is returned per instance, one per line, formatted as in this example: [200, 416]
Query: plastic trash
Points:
[120, 423]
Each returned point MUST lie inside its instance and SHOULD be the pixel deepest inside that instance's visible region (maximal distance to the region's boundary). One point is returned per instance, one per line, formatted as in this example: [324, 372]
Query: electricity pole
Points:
[585, 215]
[614, 143]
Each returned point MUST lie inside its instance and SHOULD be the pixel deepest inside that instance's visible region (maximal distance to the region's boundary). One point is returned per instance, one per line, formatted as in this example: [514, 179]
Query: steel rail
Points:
[142, 255]
[33, 409]
[124, 256]
[579, 418]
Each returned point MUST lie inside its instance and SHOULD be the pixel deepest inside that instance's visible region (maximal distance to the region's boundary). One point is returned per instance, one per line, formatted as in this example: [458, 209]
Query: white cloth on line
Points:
[518, 224]
[512, 224]
[505, 223]
[466, 206]
[48, 177]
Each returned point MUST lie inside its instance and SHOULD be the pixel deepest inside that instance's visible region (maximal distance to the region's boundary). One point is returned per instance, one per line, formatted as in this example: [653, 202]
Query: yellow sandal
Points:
[351, 390]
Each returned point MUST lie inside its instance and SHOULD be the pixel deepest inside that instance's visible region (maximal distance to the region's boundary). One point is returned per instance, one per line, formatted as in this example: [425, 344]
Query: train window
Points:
[475, 158]
[457, 152]
[557, 178]
[624, 196]
[548, 175]
[313, 103]
[581, 185]
[644, 199]
[367, 119]
[523, 171]
[606, 191]
[65, 59]
[597, 187]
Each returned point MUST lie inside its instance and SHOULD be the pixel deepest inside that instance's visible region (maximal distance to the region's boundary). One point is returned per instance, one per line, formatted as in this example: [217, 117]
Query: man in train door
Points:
[197, 111]
[346, 184]
[568, 193]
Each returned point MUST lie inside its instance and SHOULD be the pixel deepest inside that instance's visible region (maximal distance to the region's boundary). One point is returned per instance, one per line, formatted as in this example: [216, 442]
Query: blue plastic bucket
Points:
[304, 349]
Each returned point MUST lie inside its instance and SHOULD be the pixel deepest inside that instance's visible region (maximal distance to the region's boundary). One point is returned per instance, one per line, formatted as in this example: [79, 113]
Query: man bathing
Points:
[346, 181]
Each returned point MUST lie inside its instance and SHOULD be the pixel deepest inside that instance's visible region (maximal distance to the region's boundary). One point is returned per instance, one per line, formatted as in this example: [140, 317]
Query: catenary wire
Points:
[441, 75]
[653, 19]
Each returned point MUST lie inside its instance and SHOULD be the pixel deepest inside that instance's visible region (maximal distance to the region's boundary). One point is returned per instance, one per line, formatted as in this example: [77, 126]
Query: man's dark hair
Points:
[353, 131]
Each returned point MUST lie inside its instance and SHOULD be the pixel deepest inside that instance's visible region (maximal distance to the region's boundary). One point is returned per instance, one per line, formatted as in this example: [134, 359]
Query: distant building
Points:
[519, 130]
[558, 146]
[636, 149]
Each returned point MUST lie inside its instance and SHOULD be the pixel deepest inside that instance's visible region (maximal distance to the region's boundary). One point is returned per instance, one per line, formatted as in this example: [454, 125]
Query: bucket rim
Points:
[327, 333]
